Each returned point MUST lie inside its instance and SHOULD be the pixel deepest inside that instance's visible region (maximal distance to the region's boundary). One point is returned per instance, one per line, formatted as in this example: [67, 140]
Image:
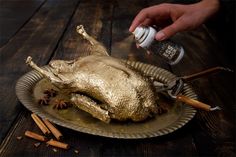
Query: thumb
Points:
[169, 31]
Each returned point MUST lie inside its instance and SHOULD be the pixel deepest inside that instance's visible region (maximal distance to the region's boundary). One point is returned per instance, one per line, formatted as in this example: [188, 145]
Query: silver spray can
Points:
[171, 52]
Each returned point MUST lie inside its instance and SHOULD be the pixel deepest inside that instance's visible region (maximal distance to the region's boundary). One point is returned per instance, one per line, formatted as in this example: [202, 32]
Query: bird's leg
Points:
[87, 104]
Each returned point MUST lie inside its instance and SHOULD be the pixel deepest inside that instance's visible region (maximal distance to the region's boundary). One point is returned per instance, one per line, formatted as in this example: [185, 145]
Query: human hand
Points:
[173, 18]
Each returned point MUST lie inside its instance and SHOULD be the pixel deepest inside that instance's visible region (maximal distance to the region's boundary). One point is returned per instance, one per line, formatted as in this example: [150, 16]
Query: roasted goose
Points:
[101, 85]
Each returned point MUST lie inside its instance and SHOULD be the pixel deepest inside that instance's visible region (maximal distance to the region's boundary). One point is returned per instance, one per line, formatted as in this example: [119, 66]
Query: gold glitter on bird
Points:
[101, 85]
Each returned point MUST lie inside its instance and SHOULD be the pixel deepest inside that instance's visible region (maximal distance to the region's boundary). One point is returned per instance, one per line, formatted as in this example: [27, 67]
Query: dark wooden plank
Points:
[215, 135]
[96, 18]
[90, 145]
[38, 38]
[216, 127]
[87, 144]
[14, 14]
[123, 46]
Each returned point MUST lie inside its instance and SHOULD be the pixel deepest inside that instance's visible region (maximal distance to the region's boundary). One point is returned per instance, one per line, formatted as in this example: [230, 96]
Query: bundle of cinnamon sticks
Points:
[47, 128]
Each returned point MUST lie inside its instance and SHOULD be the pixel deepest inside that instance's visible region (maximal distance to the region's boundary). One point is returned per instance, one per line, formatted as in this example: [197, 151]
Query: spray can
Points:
[171, 52]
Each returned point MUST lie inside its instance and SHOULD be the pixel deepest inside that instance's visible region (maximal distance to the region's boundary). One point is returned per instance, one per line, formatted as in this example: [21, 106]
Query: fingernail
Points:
[130, 29]
[160, 35]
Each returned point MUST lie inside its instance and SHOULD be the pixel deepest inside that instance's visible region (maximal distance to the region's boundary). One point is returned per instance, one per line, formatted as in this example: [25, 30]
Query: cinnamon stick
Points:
[35, 136]
[53, 129]
[58, 144]
[40, 124]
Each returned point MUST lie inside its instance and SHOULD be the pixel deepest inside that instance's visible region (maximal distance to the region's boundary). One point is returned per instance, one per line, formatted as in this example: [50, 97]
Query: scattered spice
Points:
[40, 124]
[42, 138]
[61, 104]
[35, 136]
[162, 110]
[19, 137]
[53, 129]
[50, 92]
[54, 149]
[58, 144]
[37, 144]
[44, 101]
[76, 151]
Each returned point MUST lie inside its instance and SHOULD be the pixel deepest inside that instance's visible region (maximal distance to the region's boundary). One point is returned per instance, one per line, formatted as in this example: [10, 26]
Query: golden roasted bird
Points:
[101, 85]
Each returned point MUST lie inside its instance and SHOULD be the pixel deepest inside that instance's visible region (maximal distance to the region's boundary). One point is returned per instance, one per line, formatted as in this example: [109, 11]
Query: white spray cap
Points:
[144, 36]
[138, 32]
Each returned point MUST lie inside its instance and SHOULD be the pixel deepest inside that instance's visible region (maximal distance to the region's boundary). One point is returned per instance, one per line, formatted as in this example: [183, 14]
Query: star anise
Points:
[50, 92]
[162, 109]
[61, 104]
[44, 101]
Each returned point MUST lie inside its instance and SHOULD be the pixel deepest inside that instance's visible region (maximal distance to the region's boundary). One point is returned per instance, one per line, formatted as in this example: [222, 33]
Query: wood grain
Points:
[123, 46]
[14, 16]
[50, 34]
[96, 19]
[38, 38]
[218, 127]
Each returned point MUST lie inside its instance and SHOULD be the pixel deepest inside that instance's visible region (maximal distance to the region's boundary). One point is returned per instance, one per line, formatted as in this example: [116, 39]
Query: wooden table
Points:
[45, 30]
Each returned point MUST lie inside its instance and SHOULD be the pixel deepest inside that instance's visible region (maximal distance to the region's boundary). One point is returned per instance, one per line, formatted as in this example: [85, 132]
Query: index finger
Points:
[149, 13]
[140, 17]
